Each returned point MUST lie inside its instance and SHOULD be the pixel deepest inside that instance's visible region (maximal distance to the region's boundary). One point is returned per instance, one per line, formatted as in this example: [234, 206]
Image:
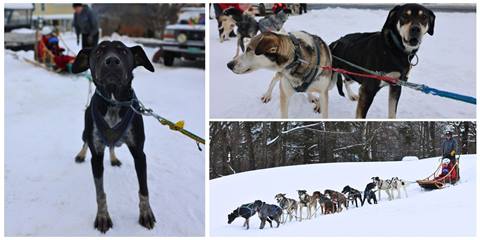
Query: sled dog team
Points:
[304, 63]
[328, 202]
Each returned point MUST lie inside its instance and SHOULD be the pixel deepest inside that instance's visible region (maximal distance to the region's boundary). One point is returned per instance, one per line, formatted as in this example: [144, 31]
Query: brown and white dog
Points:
[338, 198]
[226, 25]
[307, 201]
[297, 59]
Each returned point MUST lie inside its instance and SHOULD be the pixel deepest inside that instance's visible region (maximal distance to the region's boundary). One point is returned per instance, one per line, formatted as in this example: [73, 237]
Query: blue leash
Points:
[436, 92]
[419, 87]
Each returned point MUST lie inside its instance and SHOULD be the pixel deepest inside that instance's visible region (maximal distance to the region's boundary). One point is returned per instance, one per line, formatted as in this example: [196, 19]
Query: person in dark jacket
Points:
[85, 24]
[449, 147]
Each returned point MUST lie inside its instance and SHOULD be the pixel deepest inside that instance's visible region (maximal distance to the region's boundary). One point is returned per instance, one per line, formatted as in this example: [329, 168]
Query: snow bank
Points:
[410, 158]
[418, 215]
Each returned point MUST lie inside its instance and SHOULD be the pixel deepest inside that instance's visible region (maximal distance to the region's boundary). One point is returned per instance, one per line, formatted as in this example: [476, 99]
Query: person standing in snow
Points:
[85, 24]
[449, 146]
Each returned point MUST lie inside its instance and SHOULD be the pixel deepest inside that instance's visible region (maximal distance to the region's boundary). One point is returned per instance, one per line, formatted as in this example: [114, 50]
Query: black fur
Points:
[245, 211]
[369, 193]
[352, 194]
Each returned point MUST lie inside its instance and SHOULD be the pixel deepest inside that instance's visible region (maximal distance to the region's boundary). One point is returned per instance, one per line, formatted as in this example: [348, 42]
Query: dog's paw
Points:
[116, 163]
[79, 159]
[353, 97]
[147, 219]
[103, 222]
[317, 108]
[266, 98]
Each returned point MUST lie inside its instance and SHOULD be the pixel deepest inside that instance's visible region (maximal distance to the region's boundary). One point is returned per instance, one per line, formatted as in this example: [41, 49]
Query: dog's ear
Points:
[267, 45]
[141, 59]
[81, 63]
[391, 19]
[431, 21]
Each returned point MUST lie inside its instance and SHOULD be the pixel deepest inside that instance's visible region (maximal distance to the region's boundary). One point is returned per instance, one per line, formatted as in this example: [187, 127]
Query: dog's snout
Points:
[414, 30]
[112, 61]
[230, 65]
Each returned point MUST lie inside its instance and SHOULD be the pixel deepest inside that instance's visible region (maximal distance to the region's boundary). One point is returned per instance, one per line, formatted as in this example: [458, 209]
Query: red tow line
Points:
[388, 79]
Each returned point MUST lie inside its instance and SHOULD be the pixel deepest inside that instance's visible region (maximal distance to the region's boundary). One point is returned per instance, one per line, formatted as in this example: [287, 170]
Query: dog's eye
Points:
[249, 49]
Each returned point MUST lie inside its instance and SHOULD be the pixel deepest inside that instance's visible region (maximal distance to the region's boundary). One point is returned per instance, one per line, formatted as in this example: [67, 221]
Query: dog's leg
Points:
[393, 97]
[113, 158]
[270, 222]
[146, 218]
[405, 189]
[239, 39]
[267, 96]
[262, 223]
[365, 100]
[316, 101]
[103, 222]
[82, 154]
[351, 95]
[324, 103]
[285, 95]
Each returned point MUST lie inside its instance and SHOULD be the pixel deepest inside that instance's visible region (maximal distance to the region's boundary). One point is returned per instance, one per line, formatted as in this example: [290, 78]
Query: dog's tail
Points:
[336, 76]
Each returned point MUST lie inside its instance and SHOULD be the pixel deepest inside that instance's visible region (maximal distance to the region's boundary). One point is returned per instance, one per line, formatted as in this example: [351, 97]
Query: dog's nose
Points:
[112, 61]
[414, 30]
[230, 65]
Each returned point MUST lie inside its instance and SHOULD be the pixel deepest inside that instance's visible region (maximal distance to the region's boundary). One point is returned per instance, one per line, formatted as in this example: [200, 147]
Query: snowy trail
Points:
[48, 194]
[418, 215]
[446, 61]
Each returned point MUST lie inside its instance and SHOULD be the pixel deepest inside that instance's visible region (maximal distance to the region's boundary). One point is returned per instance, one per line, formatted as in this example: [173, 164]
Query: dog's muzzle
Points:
[231, 65]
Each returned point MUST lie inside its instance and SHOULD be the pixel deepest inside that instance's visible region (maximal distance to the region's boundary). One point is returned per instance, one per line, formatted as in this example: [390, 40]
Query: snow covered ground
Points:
[48, 194]
[447, 212]
[446, 61]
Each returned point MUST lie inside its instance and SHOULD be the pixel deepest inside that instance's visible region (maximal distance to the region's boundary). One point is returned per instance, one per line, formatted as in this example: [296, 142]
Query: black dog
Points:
[391, 51]
[110, 120]
[369, 193]
[245, 211]
[352, 194]
[267, 213]
[247, 26]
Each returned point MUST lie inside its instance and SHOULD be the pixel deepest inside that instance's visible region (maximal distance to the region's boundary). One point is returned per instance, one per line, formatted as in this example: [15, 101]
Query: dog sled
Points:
[49, 54]
[446, 173]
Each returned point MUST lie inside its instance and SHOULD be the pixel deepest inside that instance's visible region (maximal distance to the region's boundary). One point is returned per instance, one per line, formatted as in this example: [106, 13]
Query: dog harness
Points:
[298, 60]
[111, 136]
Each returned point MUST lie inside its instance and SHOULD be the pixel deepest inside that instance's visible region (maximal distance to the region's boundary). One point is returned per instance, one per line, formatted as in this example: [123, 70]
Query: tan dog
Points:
[227, 24]
[297, 59]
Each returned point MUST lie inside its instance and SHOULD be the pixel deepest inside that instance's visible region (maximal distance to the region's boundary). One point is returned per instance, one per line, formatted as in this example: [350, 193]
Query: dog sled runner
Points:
[438, 180]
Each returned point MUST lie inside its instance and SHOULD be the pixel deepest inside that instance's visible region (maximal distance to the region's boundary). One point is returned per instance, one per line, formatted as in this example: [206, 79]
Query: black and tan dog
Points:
[110, 120]
[308, 202]
[390, 51]
[369, 193]
[297, 58]
[337, 198]
[352, 195]
[327, 206]
[288, 205]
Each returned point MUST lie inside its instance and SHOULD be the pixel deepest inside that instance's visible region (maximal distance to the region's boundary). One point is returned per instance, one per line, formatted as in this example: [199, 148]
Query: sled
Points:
[434, 182]
[46, 59]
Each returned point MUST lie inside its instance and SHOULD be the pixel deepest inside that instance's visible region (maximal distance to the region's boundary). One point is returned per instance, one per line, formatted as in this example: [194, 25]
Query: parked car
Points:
[186, 38]
[17, 26]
